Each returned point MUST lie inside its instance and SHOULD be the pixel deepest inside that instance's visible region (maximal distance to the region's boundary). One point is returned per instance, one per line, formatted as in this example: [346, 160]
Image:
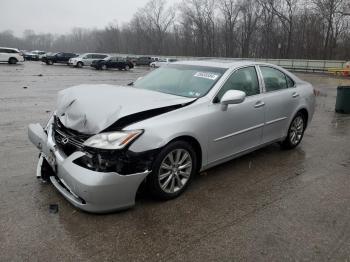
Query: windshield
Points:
[182, 80]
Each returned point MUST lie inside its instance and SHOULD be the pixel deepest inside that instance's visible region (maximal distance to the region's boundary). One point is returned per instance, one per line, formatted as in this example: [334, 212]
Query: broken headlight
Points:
[113, 140]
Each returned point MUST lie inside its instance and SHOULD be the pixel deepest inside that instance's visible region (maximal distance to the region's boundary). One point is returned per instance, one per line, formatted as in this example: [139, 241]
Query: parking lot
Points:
[270, 205]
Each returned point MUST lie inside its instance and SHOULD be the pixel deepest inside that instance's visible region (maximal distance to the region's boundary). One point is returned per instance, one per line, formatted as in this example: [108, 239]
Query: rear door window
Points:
[274, 79]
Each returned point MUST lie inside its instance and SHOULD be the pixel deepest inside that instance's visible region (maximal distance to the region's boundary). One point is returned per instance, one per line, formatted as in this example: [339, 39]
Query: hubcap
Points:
[296, 130]
[175, 170]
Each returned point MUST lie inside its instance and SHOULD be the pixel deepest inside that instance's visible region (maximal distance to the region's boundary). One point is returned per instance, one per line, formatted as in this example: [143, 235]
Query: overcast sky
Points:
[59, 16]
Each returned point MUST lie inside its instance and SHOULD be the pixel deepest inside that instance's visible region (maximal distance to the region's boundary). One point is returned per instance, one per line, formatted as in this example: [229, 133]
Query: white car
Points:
[85, 59]
[162, 62]
[10, 55]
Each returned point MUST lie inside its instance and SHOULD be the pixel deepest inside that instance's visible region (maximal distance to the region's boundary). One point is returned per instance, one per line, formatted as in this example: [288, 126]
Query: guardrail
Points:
[290, 64]
[306, 65]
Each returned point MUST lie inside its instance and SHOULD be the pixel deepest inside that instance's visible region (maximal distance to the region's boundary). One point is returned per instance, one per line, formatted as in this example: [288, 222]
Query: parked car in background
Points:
[132, 59]
[59, 58]
[163, 62]
[35, 55]
[103, 141]
[10, 55]
[86, 59]
[144, 61]
[109, 62]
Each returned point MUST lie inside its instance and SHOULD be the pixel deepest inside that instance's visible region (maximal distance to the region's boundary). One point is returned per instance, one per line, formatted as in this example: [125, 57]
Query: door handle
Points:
[259, 104]
[295, 95]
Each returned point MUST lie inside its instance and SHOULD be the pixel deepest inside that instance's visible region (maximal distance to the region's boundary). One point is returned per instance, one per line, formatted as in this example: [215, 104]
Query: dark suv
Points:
[112, 62]
[144, 61]
[61, 58]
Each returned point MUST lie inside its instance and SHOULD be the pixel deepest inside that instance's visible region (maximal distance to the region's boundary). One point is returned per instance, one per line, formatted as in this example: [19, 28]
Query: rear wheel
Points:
[49, 62]
[127, 67]
[295, 132]
[13, 61]
[173, 170]
[104, 67]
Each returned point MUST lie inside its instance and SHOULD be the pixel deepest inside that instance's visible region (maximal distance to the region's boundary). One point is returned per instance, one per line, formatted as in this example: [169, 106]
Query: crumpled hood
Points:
[90, 109]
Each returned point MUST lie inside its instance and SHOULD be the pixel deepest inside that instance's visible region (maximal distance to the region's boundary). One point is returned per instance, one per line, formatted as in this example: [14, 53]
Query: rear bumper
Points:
[88, 190]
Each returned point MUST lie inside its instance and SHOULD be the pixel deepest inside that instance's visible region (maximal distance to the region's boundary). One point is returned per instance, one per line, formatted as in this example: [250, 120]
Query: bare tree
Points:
[200, 16]
[155, 20]
[230, 10]
[250, 14]
[332, 13]
[285, 11]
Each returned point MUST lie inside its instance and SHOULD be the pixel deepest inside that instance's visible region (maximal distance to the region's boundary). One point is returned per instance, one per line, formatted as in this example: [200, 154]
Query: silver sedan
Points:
[103, 141]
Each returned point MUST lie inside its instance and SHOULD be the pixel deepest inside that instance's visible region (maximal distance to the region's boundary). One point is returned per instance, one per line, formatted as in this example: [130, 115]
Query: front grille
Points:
[68, 140]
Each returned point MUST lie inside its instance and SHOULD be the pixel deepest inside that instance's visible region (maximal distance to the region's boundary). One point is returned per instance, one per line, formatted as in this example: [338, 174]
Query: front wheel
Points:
[12, 61]
[80, 64]
[173, 170]
[295, 132]
[127, 68]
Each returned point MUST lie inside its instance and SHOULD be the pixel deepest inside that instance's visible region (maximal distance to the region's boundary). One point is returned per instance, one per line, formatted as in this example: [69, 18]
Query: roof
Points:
[217, 63]
[11, 48]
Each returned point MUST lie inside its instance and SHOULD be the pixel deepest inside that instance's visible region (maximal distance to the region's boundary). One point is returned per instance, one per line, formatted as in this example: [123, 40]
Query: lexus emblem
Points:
[65, 140]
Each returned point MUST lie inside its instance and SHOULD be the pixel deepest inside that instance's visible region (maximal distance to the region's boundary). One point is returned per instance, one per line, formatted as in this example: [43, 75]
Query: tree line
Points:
[308, 29]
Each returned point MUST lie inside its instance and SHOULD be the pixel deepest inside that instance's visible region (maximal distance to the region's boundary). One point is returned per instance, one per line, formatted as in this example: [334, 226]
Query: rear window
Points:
[8, 51]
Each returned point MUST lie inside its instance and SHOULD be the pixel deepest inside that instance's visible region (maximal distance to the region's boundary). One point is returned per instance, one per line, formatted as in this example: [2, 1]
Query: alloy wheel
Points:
[175, 170]
[296, 130]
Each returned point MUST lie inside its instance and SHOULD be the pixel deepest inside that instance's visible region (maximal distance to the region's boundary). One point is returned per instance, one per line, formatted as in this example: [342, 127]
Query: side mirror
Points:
[232, 97]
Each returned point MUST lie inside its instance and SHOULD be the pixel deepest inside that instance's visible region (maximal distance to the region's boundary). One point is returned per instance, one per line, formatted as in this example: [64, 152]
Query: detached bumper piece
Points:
[91, 191]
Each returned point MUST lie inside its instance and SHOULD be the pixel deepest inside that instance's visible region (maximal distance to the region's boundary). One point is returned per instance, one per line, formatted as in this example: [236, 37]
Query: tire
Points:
[104, 67]
[127, 68]
[13, 61]
[168, 180]
[295, 132]
[49, 62]
[80, 64]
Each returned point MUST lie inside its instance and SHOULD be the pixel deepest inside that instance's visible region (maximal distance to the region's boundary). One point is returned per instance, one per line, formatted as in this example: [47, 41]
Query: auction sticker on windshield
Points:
[207, 75]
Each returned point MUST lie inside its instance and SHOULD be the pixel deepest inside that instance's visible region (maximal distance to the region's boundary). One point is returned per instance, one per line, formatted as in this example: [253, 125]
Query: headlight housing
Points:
[113, 140]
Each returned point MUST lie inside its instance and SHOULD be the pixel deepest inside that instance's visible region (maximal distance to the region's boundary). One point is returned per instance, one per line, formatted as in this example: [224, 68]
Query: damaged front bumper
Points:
[91, 191]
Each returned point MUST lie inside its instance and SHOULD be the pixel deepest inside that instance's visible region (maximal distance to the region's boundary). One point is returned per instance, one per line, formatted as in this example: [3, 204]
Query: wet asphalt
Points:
[270, 205]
